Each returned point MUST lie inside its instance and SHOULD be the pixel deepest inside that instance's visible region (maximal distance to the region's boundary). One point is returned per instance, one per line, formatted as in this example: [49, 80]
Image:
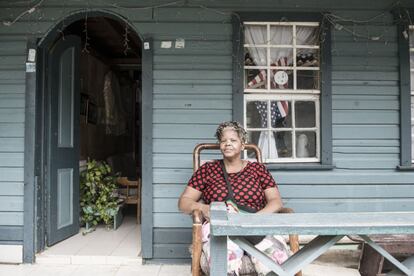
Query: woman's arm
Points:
[188, 202]
[274, 201]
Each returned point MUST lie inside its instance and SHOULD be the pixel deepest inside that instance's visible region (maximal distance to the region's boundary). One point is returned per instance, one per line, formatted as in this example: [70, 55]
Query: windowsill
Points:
[299, 167]
[405, 168]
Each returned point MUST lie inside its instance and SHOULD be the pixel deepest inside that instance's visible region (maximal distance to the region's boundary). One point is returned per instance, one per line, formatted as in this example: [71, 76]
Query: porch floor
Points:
[140, 270]
[102, 246]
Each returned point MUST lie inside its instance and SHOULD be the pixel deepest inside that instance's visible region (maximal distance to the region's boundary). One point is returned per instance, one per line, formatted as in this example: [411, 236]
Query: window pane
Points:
[281, 35]
[253, 137]
[281, 57]
[411, 38]
[281, 79]
[280, 113]
[255, 34]
[255, 79]
[255, 56]
[412, 59]
[283, 143]
[307, 35]
[307, 79]
[305, 114]
[305, 144]
[256, 114]
[307, 57]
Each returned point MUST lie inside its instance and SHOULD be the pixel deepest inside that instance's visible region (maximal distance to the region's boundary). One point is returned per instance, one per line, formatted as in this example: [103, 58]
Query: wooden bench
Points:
[329, 228]
[373, 264]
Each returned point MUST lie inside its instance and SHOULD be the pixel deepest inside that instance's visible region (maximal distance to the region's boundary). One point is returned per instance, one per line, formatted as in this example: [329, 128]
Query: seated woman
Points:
[243, 185]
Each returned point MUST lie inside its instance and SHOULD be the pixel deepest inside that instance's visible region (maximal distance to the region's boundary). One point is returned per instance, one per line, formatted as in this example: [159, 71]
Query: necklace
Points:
[242, 165]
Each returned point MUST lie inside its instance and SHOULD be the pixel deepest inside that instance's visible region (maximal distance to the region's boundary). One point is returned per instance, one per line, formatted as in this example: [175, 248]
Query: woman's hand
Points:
[189, 201]
[205, 210]
[274, 201]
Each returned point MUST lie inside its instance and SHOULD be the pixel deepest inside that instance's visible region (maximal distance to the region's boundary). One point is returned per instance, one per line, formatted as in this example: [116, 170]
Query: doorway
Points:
[91, 111]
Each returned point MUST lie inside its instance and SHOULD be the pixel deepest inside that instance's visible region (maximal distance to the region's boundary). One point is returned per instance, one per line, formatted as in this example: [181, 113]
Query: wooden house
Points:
[323, 86]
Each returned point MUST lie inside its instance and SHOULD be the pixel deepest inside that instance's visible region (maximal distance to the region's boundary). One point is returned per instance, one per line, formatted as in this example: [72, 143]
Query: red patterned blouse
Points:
[248, 185]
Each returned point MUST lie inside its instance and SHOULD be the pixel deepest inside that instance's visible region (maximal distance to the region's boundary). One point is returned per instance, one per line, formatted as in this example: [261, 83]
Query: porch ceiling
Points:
[107, 38]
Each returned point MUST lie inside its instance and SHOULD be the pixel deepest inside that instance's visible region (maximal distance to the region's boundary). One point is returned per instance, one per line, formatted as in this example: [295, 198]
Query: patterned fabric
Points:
[272, 245]
[278, 111]
[248, 185]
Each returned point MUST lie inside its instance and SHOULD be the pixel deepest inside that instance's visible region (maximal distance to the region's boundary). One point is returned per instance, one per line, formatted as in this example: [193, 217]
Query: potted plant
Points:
[99, 199]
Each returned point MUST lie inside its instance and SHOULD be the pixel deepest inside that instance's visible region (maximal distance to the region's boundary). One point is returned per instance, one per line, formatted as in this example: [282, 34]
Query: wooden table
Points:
[328, 228]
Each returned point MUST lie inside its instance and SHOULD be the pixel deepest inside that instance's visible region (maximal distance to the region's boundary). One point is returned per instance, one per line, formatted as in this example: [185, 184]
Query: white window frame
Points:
[290, 95]
[292, 99]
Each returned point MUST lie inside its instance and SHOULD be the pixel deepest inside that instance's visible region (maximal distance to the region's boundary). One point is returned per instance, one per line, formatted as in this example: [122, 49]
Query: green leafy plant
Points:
[99, 199]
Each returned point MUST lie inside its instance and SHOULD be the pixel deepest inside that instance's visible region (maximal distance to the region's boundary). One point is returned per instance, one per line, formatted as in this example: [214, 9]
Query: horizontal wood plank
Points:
[365, 132]
[183, 131]
[335, 176]
[166, 251]
[11, 100]
[12, 115]
[15, 130]
[192, 74]
[11, 233]
[187, 116]
[172, 236]
[218, 89]
[11, 159]
[314, 191]
[184, 102]
[366, 143]
[12, 88]
[11, 188]
[11, 203]
[178, 145]
[358, 117]
[11, 174]
[330, 204]
[11, 144]
[11, 218]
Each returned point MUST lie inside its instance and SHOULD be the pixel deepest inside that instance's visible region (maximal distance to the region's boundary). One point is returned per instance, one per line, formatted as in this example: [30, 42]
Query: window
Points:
[282, 89]
[411, 36]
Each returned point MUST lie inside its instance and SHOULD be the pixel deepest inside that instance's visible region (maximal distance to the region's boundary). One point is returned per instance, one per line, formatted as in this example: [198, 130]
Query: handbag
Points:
[230, 200]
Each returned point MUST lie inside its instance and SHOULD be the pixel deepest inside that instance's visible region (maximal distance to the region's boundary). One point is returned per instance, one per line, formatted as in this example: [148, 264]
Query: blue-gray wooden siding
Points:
[193, 92]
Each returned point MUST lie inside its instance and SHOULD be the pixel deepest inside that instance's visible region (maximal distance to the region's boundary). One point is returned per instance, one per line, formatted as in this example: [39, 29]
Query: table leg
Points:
[218, 255]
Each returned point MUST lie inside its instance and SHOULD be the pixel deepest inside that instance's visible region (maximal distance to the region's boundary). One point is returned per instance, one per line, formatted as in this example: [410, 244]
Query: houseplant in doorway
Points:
[99, 199]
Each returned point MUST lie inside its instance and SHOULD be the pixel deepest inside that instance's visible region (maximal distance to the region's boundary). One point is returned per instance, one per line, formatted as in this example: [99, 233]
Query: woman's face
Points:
[231, 144]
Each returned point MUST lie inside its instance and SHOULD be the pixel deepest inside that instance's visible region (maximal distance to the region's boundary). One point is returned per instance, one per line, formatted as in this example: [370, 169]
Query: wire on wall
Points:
[338, 22]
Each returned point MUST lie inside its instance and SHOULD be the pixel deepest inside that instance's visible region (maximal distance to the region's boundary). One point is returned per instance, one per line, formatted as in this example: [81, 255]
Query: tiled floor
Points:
[102, 246]
[140, 270]
[117, 253]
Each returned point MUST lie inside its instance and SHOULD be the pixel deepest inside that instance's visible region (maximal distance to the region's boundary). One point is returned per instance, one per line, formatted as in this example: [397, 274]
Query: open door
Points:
[63, 139]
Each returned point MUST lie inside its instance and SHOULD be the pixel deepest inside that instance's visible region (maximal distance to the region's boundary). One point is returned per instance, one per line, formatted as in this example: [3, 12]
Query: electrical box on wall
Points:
[180, 43]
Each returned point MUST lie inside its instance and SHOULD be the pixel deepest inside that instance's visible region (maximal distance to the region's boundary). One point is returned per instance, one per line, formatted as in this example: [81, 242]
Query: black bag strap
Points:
[230, 190]
[226, 178]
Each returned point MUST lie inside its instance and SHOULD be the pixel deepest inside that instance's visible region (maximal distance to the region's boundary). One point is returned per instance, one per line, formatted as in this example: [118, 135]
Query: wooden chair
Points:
[129, 181]
[198, 218]
[131, 193]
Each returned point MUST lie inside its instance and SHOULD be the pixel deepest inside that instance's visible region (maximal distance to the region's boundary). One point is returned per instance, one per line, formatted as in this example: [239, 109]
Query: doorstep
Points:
[82, 260]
